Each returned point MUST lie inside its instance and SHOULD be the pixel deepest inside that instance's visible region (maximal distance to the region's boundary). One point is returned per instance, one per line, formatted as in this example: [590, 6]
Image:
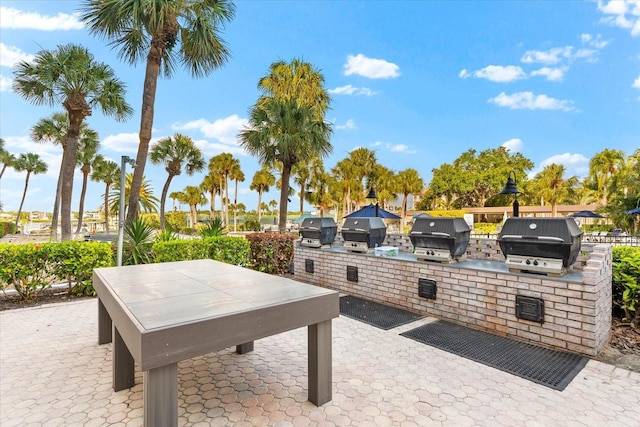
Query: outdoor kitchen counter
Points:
[168, 312]
[573, 276]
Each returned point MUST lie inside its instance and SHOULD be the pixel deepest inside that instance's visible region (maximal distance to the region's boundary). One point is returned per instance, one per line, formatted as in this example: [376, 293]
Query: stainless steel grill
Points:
[362, 234]
[440, 239]
[540, 245]
[317, 232]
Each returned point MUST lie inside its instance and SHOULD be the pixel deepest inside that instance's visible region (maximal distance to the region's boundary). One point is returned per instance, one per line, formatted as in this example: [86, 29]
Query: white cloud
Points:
[551, 74]
[514, 145]
[529, 101]
[210, 149]
[352, 90]
[624, 14]
[575, 164]
[496, 73]
[122, 143]
[636, 83]
[5, 83]
[396, 148]
[558, 54]
[48, 152]
[11, 55]
[11, 18]
[349, 125]
[370, 67]
[224, 130]
[595, 42]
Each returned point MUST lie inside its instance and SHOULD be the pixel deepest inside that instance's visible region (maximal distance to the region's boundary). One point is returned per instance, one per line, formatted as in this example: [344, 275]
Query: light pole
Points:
[373, 196]
[510, 188]
[123, 166]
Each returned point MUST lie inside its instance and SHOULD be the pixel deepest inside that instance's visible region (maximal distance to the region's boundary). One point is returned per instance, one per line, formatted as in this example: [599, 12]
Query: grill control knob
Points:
[528, 261]
[535, 262]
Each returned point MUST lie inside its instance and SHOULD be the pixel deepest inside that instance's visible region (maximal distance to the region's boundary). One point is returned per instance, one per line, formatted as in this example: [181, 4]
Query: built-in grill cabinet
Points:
[540, 245]
[440, 239]
[362, 234]
[317, 232]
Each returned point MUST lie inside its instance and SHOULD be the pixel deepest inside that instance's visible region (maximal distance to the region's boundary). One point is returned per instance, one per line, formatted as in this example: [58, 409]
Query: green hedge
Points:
[271, 252]
[232, 250]
[626, 282]
[7, 228]
[33, 267]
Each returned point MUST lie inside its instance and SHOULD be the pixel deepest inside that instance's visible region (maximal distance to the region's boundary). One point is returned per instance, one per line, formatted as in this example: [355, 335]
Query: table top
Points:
[167, 294]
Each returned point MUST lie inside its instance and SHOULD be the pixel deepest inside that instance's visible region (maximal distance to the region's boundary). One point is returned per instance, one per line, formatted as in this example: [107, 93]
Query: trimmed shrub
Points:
[74, 262]
[271, 252]
[626, 282]
[232, 250]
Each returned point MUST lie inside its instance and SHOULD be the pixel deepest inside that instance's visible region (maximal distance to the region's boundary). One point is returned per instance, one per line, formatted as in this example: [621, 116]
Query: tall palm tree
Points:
[408, 182]
[603, 167]
[175, 195]
[6, 158]
[238, 176]
[262, 180]
[69, 76]
[173, 152]
[87, 156]
[106, 171]
[224, 164]
[194, 196]
[301, 175]
[164, 34]
[287, 132]
[553, 187]
[54, 129]
[31, 163]
[147, 202]
[211, 185]
[345, 175]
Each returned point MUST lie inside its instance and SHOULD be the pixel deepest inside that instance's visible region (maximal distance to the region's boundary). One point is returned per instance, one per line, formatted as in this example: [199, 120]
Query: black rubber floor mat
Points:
[375, 314]
[551, 368]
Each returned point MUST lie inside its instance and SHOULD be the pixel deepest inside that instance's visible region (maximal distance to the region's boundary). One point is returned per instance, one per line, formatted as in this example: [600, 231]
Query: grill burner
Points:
[440, 239]
[361, 234]
[317, 232]
[540, 245]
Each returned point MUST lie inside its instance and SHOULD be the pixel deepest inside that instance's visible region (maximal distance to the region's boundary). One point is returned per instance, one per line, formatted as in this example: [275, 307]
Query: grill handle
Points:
[431, 233]
[520, 237]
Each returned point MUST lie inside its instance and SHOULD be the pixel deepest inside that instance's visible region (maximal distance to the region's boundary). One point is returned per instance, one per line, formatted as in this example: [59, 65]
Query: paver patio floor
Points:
[53, 373]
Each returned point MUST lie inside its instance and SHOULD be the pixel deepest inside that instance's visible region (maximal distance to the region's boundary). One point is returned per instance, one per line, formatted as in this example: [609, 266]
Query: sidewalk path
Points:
[53, 373]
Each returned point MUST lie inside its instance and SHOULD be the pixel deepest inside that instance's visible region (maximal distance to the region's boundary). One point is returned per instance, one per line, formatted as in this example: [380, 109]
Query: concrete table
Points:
[160, 314]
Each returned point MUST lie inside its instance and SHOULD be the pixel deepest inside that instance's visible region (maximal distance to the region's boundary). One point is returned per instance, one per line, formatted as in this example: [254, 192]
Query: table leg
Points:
[104, 324]
[320, 368]
[123, 364]
[244, 348]
[160, 396]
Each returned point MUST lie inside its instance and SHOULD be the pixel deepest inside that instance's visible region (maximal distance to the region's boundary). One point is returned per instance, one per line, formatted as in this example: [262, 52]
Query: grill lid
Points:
[363, 225]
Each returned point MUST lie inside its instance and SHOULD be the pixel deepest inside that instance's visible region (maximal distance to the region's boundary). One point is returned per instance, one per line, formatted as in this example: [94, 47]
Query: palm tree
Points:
[108, 172]
[603, 167]
[70, 76]
[147, 202]
[301, 176]
[238, 176]
[173, 152]
[408, 182]
[31, 163]
[344, 173]
[87, 156]
[163, 34]
[262, 180]
[364, 163]
[286, 132]
[193, 196]
[211, 184]
[7, 159]
[553, 187]
[224, 164]
[175, 195]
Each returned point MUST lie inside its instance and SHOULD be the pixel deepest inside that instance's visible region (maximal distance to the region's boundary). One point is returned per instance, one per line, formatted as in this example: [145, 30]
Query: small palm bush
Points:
[137, 243]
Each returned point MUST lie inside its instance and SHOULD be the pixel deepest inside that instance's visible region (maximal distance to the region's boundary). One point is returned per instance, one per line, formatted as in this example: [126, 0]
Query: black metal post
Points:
[516, 207]
[377, 209]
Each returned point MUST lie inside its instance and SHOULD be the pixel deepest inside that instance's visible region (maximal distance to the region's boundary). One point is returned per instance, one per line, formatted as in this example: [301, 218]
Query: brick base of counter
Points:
[577, 309]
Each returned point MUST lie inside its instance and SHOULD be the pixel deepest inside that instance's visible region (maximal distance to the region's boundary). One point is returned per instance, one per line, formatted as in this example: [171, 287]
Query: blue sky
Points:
[419, 82]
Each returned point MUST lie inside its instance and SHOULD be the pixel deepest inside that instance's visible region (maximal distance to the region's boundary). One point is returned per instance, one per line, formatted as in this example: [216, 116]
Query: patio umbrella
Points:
[370, 212]
[634, 211]
[585, 214]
